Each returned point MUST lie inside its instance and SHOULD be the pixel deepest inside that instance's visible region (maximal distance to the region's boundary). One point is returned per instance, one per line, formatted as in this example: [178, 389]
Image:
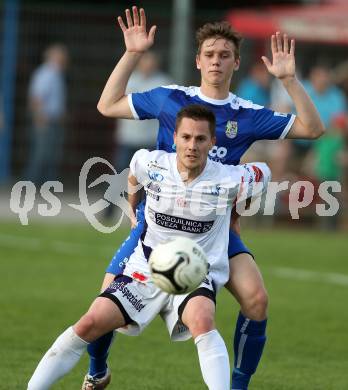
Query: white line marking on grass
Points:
[11, 241]
[72, 247]
[307, 275]
[64, 247]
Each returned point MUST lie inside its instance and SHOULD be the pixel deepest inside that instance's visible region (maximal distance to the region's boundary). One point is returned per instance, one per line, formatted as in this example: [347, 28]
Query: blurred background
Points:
[55, 58]
[70, 47]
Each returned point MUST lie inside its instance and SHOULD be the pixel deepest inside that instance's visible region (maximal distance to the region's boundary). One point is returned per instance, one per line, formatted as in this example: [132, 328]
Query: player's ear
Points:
[213, 141]
[198, 63]
[175, 135]
[236, 63]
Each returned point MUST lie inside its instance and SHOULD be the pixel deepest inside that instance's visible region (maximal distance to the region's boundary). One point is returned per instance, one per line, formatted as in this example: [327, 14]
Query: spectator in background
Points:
[330, 158]
[132, 135]
[340, 76]
[256, 86]
[47, 107]
[329, 101]
[329, 150]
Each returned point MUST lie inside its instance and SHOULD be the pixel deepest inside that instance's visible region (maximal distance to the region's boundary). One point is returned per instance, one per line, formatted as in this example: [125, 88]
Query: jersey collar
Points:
[173, 157]
[219, 102]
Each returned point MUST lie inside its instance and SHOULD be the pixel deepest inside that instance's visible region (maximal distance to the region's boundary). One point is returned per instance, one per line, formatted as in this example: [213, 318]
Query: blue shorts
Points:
[120, 258]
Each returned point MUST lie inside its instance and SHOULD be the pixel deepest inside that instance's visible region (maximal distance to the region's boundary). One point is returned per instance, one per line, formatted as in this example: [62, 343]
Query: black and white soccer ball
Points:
[178, 266]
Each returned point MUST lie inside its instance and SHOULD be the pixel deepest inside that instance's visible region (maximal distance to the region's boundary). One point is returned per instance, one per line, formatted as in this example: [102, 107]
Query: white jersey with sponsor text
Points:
[200, 210]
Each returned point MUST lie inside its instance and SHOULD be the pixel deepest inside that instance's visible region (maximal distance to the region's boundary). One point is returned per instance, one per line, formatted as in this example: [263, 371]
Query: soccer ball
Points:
[178, 266]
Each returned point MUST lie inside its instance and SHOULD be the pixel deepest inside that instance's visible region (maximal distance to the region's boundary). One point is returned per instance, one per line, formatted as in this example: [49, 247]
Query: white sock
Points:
[58, 360]
[214, 361]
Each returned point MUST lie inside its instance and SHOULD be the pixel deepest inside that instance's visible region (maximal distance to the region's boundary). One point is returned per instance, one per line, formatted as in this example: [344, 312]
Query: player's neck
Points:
[217, 92]
[188, 175]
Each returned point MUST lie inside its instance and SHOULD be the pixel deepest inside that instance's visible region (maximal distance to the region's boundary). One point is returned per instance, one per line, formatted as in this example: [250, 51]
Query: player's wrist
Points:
[288, 80]
[136, 54]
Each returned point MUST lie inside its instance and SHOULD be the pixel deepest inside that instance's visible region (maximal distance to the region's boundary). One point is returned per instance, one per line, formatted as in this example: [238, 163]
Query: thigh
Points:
[139, 302]
[173, 312]
[107, 314]
[245, 277]
[198, 307]
[102, 317]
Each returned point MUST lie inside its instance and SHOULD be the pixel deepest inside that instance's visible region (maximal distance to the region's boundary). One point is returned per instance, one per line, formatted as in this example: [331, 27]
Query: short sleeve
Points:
[255, 179]
[148, 105]
[138, 165]
[270, 124]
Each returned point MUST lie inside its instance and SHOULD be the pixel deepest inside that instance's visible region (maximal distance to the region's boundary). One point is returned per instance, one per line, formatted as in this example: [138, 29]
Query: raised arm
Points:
[307, 124]
[113, 102]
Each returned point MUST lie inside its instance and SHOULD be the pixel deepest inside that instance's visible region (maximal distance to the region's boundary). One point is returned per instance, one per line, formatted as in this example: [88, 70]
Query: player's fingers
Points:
[135, 16]
[122, 25]
[292, 47]
[286, 44]
[152, 33]
[273, 44]
[266, 61]
[129, 18]
[142, 18]
[279, 41]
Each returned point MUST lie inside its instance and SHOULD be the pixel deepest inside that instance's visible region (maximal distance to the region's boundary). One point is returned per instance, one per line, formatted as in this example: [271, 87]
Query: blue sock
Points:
[98, 354]
[249, 340]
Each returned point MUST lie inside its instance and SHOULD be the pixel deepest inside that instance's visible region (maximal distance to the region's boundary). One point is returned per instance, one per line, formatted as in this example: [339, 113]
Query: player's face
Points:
[217, 61]
[193, 142]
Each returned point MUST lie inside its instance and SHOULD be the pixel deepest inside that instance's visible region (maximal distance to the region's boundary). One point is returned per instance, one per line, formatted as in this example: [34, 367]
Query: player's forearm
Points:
[133, 200]
[309, 124]
[134, 197]
[110, 100]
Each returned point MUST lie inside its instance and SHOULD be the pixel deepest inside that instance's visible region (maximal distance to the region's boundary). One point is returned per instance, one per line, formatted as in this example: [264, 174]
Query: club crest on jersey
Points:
[231, 129]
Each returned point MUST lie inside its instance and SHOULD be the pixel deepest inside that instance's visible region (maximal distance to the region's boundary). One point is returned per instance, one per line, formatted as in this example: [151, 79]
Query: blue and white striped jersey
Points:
[239, 122]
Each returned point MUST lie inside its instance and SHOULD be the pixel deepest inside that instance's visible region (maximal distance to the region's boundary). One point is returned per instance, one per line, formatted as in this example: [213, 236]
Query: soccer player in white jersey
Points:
[239, 124]
[131, 301]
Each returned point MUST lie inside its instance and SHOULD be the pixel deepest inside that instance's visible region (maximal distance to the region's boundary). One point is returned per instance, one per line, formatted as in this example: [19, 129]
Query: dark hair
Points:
[218, 30]
[197, 112]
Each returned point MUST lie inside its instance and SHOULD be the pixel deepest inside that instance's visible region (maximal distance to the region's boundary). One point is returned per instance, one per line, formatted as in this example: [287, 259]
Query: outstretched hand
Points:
[283, 61]
[136, 38]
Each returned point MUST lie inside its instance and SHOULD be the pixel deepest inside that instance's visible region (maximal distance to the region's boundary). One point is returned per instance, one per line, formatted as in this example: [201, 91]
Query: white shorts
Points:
[141, 302]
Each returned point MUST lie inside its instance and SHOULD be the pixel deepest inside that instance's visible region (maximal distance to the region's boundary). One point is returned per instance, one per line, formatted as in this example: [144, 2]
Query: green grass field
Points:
[51, 273]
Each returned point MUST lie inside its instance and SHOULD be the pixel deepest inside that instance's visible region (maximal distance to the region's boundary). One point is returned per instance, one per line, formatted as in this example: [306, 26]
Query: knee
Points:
[255, 307]
[261, 300]
[85, 327]
[201, 323]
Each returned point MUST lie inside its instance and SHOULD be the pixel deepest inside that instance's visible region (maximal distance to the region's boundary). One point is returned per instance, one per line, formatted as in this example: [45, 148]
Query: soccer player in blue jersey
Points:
[239, 124]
